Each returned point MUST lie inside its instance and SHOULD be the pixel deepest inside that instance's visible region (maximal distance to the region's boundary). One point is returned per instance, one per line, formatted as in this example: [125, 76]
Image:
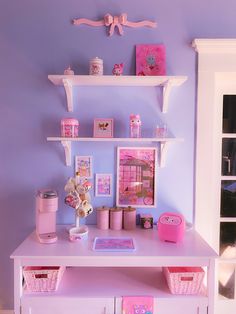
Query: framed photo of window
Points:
[103, 128]
[103, 184]
[136, 176]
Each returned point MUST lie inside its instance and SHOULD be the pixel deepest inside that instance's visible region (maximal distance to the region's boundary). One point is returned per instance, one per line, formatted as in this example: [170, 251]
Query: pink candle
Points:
[116, 218]
[103, 218]
[129, 218]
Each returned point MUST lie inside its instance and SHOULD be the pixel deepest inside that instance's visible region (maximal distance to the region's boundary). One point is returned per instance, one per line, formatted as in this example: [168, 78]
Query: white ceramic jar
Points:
[96, 66]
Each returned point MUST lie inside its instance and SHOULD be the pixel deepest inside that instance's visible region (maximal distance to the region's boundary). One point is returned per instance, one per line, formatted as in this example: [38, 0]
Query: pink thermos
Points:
[46, 208]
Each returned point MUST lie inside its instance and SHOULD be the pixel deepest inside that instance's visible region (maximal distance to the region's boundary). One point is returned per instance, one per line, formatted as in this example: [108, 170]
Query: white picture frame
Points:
[136, 177]
[103, 128]
[103, 184]
[84, 166]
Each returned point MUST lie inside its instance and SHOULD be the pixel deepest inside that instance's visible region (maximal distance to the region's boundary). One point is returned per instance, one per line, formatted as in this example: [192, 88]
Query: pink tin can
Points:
[69, 127]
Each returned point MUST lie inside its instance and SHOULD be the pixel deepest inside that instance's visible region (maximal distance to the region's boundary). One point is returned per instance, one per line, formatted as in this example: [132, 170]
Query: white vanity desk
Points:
[94, 282]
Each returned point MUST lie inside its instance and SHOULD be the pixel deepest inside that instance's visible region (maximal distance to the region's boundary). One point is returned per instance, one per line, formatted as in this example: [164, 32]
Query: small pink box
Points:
[69, 127]
[184, 280]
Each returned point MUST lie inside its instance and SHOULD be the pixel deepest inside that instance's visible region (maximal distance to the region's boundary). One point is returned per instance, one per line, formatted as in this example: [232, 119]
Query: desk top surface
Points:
[149, 250]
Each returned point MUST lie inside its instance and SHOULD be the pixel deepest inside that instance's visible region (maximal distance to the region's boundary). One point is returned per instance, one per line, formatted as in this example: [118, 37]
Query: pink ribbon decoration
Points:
[114, 21]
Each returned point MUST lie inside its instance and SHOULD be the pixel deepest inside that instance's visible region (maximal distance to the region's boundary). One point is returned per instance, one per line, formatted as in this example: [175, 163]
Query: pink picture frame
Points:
[136, 176]
[103, 128]
[150, 60]
[103, 184]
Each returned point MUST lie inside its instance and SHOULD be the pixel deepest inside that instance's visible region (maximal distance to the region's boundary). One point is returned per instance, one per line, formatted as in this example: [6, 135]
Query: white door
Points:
[225, 185]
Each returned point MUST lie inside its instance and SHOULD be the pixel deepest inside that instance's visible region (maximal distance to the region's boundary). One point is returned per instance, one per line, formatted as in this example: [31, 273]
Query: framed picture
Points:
[150, 60]
[103, 128]
[83, 165]
[103, 184]
[136, 176]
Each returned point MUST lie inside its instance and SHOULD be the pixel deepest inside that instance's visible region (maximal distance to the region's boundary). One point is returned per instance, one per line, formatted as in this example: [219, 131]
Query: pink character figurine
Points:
[118, 69]
[135, 125]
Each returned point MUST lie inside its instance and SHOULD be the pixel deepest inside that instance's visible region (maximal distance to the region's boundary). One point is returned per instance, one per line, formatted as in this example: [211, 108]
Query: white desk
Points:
[95, 282]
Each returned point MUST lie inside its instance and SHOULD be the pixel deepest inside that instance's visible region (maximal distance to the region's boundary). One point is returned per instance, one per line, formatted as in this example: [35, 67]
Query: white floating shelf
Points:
[163, 141]
[68, 81]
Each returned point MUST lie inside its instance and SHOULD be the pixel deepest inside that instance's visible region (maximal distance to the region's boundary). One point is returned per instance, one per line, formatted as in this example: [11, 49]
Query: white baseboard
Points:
[6, 312]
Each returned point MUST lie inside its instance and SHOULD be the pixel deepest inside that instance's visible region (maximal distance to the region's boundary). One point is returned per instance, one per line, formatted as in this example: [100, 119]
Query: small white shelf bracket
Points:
[67, 148]
[167, 86]
[69, 94]
[164, 146]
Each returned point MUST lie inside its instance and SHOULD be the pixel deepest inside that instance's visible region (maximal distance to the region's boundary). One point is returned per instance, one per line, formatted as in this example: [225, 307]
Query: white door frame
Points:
[216, 76]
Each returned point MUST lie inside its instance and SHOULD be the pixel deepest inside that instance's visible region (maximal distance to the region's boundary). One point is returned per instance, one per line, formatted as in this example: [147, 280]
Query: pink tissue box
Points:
[184, 280]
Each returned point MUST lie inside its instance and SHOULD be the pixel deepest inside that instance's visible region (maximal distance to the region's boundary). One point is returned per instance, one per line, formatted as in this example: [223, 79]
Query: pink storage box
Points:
[184, 280]
[42, 279]
[69, 127]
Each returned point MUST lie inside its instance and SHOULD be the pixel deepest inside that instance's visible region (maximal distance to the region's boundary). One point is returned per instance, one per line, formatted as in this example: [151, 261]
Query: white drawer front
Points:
[68, 306]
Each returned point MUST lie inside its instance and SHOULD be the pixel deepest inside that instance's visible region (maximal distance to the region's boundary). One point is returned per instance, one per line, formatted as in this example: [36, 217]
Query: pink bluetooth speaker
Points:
[171, 227]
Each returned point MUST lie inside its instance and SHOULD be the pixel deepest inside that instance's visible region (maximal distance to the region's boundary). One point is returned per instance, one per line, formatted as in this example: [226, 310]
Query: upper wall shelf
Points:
[69, 81]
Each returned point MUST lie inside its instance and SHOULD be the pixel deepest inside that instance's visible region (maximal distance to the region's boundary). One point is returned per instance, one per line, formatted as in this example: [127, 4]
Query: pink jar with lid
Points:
[69, 127]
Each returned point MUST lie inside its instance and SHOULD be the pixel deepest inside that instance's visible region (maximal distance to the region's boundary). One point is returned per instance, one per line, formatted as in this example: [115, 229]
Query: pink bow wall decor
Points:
[114, 21]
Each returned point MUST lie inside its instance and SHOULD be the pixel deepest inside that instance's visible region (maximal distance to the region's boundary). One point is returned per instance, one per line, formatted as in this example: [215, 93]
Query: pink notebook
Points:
[137, 305]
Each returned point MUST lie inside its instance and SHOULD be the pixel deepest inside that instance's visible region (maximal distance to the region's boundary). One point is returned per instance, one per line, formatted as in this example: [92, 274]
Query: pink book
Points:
[137, 305]
[150, 60]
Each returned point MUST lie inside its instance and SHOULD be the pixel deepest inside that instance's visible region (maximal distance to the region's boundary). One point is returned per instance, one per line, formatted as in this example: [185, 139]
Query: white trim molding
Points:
[215, 46]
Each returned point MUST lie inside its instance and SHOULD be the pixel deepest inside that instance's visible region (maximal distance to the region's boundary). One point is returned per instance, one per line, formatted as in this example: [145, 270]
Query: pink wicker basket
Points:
[42, 279]
[184, 280]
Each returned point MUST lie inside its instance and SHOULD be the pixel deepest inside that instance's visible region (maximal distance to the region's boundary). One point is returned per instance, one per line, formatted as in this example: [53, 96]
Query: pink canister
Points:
[103, 218]
[69, 127]
[129, 218]
[116, 218]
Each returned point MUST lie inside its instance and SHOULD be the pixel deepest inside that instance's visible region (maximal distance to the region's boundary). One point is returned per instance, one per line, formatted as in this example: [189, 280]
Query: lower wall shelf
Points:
[163, 144]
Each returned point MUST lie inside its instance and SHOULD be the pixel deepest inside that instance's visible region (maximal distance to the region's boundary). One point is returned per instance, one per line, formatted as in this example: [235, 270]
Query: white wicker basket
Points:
[184, 280]
[42, 278]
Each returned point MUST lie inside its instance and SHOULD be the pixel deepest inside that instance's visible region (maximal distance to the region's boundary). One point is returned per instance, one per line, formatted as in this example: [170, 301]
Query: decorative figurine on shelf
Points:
[69, 71]
[78, 198]
[118, 69]
[135, 125]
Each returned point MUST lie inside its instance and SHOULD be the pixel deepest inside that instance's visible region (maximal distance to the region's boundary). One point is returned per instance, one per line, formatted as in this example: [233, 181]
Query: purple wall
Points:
[37, 39]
